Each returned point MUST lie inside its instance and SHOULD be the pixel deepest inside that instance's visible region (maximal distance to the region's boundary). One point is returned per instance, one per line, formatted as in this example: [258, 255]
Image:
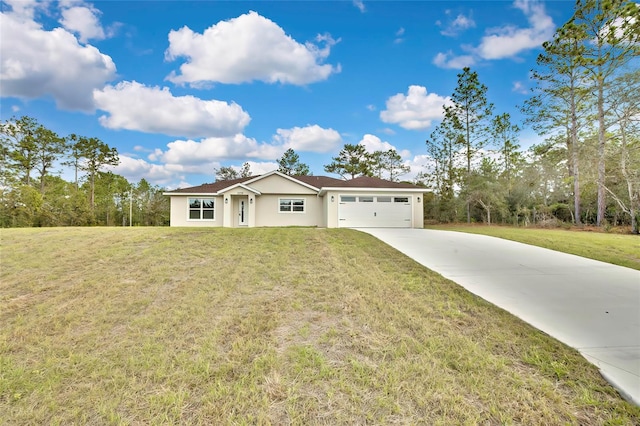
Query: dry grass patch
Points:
[267, 326]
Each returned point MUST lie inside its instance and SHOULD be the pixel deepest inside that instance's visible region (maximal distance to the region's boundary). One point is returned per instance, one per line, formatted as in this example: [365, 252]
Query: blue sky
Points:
[181, 88]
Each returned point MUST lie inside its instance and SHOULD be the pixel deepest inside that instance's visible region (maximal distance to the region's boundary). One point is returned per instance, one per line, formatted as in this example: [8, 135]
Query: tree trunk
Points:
[601, 155]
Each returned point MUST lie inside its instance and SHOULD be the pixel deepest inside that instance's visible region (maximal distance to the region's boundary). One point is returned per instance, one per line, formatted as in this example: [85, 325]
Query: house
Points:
[275, 199]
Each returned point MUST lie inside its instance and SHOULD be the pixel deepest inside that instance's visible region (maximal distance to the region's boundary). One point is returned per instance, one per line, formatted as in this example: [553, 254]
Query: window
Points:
[347, 199]
[292, 205]
[400, 199]
[384, 199]
[365, 199]
[201, 209]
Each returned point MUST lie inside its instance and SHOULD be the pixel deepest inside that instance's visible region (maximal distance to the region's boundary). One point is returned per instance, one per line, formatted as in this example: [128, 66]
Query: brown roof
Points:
[315, 181]
[212, 188]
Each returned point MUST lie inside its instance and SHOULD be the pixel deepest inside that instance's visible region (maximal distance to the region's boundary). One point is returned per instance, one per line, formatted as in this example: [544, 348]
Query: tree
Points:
[625, 106]
[245, 171]
[95, 155]
[352, 161]
[612, 39]
[390, 162]
[505, 138]
[469, 114]
[19, 140]
[49, 147]
[484, 188]
[226, 173]
[442, 149]
[559, 107]
[290, 164]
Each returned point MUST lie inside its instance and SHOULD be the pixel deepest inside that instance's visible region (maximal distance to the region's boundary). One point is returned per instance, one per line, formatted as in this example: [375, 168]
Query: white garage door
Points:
[374, 211]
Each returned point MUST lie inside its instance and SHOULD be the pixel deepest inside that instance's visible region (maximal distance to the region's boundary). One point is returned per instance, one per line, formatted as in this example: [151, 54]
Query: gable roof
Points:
[210, 188]
[319, 183]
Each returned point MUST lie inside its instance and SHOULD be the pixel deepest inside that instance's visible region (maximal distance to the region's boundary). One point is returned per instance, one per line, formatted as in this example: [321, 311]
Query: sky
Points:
[181, 88]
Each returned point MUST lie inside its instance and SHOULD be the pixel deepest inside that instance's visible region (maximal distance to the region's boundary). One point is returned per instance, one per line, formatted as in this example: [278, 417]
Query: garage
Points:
[374, 211]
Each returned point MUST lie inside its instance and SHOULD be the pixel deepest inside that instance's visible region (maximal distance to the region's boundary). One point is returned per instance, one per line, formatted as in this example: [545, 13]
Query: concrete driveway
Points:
[591, 306]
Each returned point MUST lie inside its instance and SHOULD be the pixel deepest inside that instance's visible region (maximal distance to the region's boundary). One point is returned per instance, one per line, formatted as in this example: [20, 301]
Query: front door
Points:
[242, 212]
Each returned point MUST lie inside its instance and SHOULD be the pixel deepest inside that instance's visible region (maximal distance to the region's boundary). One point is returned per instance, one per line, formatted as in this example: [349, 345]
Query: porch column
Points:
[227, 208]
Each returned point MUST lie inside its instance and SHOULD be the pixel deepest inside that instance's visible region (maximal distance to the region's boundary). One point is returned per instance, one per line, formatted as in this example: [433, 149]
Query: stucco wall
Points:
[268, 213]
[180, 212]
[275, 184]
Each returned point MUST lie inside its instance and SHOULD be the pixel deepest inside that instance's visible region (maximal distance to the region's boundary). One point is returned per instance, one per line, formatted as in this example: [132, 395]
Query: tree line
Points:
[586, 104]
[32, 195]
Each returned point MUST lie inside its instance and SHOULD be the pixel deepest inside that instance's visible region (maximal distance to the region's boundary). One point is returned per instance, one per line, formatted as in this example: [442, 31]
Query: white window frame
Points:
[291, 205]
[201, 209]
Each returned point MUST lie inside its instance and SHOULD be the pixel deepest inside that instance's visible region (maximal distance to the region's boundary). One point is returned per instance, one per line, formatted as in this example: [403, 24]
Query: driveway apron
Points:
[589, 305]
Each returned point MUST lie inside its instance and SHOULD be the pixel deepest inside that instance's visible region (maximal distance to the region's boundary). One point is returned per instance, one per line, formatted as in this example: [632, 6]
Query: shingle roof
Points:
[315, 181]
[212, 188]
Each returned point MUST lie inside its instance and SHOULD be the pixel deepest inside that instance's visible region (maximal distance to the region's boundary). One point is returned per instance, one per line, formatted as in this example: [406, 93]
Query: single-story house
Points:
[276, 199]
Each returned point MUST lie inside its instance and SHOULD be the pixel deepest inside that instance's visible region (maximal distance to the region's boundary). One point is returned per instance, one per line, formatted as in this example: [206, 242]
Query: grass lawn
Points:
[267, 326]
[619, 249]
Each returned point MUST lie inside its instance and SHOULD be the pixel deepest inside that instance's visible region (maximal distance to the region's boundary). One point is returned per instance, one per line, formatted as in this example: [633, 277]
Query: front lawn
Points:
[267, 326]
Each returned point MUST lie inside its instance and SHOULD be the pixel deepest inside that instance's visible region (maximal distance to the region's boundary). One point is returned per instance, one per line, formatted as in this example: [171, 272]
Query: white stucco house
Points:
[276, 199]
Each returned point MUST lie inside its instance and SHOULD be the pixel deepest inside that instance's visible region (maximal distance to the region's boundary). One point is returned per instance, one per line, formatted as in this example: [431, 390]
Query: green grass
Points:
[618, 249]
[113, 326]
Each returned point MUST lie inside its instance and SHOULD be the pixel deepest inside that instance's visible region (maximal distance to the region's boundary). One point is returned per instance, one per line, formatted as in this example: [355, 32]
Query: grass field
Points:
[267, 326]
[619, 249]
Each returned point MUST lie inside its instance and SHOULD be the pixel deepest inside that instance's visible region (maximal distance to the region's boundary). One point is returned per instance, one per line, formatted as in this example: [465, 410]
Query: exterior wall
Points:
[180, 212]
[275, 184]
[268, 211]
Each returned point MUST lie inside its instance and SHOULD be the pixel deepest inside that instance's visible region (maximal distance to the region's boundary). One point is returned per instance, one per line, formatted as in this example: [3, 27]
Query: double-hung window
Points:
[291, 205]
[201, 209]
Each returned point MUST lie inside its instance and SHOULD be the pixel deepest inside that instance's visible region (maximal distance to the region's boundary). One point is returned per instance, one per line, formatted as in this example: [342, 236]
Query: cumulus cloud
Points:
[248, 48]
[449, 60]
[35, 62]
[311, 138]
[135, 169]
[191, 154]
[84, 21]
[360, 5]
[506, 41]
[237, 147]
[372, 143]
[134, 106]
[415, 110]
[458, 25]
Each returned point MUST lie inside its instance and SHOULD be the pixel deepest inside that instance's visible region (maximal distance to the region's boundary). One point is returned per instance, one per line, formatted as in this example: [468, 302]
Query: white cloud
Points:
[371, 107]
[508, 41]
[311, 138]
[83, 20]
[35, 62]
[372, 143]
[194, 155]
[416, 110]
[399, 34]
[135, 169]
[190, 152]
[449, 60]
[360, 5]
[247, 48]
[458, 25]
[518, 87]
[134, 106]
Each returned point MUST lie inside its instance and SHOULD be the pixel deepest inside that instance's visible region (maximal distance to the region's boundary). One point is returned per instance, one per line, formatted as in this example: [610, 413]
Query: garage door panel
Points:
[390, 214]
